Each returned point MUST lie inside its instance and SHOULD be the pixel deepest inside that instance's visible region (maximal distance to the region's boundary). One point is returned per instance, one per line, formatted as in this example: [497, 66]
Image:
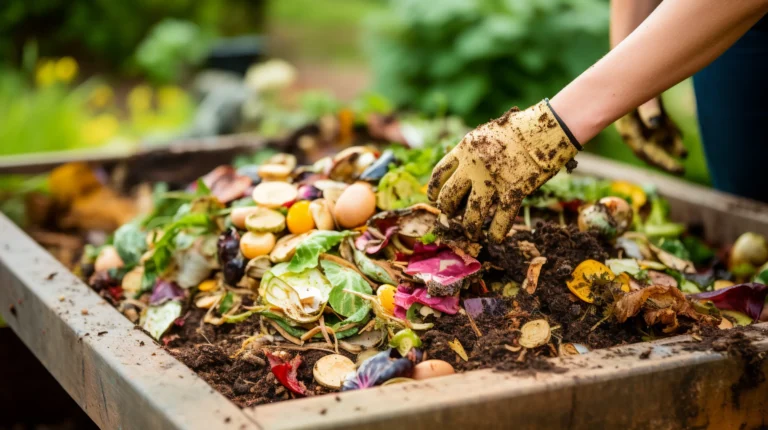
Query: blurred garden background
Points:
[98, 74]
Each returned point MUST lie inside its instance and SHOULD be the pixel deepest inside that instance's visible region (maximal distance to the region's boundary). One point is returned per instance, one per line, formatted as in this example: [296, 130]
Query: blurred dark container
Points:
[236, 54]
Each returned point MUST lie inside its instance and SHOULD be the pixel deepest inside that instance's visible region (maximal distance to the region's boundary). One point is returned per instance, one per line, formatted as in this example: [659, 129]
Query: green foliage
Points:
[107, 30]
[309, 249]
[480, 57]
[343, 303]
[130, 242]
[170, 46]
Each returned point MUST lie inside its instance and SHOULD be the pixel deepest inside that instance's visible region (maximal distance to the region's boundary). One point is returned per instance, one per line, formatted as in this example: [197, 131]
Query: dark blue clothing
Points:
[732, 104]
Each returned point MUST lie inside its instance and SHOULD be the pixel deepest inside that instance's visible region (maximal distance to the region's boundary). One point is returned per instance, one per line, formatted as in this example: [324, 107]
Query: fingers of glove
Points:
[440, 174]
[503, 219]
[478, 205]
[650, 113]
[657, 156]
[629, 129]
[673, 141]
[453, 191]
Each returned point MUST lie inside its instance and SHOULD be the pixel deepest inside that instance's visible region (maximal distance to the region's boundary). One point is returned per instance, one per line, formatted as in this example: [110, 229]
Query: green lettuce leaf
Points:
[343, 278]
[370, 269]
[310, 249]
[131, 243]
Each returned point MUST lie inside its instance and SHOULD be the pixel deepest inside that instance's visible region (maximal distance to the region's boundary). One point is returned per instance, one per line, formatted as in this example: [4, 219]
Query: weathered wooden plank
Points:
[115, 372]
[723, 216]
[671, 389]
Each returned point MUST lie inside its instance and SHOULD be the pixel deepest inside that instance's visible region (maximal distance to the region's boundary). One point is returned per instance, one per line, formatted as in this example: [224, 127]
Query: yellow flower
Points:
[100, 129]
[66, 69]
[101, 96]
[170, 96]
[140, 99]
[45, 75]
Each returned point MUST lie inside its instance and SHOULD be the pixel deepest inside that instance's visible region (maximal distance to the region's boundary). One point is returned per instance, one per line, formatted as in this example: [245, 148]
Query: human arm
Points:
[501, 162]
[679, 38]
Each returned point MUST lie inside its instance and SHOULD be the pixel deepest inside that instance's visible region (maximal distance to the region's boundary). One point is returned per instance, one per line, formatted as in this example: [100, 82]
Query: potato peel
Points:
[532, 277]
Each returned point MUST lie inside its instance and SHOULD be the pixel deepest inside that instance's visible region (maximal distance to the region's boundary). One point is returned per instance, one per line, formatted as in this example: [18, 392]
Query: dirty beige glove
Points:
[501, 162]
[653, 137]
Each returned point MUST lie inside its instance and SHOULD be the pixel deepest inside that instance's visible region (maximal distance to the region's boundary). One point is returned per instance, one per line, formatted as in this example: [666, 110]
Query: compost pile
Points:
[276, 281]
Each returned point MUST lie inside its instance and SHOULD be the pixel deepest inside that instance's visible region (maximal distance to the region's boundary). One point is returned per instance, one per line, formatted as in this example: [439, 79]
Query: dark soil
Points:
[564, 249]
[245, 379]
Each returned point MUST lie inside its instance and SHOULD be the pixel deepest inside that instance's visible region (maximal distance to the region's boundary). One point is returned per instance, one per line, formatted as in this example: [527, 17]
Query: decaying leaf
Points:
[532, 277]
[458, 348]
[659, 304]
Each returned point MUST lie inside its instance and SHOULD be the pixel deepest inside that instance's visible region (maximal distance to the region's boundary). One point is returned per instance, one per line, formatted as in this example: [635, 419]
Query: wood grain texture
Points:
[115, 372]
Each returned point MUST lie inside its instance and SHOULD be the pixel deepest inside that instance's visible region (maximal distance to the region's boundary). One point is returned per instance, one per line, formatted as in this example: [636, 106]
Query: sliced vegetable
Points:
[263, 220]
[286, 371]
[253, 245]
[285, 247]
[404, 340]
[737, 318]
[534, 334]
[331, 370]
[273, 195]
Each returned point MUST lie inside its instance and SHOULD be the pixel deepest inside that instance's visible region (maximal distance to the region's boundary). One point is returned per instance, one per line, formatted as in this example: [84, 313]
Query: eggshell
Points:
[355, 205]
[432, 369]
[253, 245]
[240, 214]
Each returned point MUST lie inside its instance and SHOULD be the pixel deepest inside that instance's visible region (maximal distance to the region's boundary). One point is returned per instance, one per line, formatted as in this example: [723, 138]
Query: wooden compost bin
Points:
[123, 379]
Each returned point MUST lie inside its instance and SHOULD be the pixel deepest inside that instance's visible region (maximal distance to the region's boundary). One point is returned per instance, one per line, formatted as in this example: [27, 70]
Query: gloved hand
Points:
[501, 162]
[653, 137]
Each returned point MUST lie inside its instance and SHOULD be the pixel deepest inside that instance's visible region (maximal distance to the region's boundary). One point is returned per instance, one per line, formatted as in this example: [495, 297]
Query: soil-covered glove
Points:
[500, 163]
[653, 137]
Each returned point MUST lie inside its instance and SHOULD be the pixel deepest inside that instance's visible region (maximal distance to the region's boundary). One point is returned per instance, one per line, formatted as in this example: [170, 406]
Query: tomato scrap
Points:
[285, 372]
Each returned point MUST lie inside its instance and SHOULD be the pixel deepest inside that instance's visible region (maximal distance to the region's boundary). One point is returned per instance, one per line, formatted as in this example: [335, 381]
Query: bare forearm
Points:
[678, 39]
[627, 15]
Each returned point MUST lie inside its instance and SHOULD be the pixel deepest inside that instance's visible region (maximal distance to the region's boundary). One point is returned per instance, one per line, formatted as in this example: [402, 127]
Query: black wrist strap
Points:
[565, 128]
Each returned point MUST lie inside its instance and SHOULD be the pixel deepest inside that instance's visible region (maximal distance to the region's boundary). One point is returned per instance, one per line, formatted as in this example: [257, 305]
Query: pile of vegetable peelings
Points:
[276, 281]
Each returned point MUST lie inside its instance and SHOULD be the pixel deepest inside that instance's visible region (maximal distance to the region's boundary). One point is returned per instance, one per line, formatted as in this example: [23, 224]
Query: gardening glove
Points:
[653, 137]
[502, 162]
